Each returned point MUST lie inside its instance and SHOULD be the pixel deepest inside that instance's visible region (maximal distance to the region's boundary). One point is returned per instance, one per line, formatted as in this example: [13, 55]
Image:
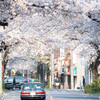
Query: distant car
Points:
[32, 80]
[20, 80]
[33, 91]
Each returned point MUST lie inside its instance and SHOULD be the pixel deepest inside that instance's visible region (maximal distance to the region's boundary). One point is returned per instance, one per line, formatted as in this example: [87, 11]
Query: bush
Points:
[88, 88]
[94, 87]
[47, 86]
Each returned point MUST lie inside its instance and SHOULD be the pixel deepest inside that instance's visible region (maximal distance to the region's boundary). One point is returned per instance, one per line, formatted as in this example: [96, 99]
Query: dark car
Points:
[33, 91]
[20, 80]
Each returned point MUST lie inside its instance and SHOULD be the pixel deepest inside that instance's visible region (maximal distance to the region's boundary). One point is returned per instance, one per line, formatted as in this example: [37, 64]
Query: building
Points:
[75, 68]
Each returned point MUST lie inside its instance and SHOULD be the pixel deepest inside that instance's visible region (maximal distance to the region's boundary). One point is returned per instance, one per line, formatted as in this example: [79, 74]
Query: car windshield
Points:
[35, 86]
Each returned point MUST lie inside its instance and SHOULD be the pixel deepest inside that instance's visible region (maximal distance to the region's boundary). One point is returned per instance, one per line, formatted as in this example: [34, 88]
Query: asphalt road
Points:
[70, 95]
[53, 94]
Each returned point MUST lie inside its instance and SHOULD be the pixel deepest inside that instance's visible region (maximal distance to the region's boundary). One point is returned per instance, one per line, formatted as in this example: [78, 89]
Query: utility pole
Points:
[44, 74]
[23, 73]
[72, 84]
[39, 72]
[52, 66]
[27, 73]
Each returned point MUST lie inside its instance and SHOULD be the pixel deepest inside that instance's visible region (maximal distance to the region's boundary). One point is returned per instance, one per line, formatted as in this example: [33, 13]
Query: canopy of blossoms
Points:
[35, 26]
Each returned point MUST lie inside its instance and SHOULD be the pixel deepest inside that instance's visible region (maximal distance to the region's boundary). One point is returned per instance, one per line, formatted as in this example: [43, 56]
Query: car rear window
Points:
[34, 86]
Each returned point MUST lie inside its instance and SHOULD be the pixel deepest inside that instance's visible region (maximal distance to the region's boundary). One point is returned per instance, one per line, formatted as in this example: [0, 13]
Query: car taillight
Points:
[40, 93]
[25, 93]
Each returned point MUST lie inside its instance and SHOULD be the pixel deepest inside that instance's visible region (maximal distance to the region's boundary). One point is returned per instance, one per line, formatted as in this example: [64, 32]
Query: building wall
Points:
[80, 72]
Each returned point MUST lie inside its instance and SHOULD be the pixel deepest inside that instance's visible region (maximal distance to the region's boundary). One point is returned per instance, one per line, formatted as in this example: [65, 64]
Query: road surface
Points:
[53, 94]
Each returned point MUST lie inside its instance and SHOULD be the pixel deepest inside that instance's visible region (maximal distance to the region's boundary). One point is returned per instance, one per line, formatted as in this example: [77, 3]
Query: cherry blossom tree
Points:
[33, 27]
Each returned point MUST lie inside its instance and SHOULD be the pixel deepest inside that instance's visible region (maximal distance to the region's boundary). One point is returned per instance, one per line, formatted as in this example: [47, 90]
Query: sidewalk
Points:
[2, 96]
[97, 95]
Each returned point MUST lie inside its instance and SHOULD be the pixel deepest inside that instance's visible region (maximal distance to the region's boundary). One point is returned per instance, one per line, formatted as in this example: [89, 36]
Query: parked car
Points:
[33, 91]
[20, 80]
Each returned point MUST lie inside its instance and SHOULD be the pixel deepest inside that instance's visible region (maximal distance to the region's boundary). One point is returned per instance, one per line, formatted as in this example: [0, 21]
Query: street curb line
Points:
[51, 98]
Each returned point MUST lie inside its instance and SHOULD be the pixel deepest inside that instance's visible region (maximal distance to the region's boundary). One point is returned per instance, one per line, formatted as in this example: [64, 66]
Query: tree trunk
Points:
[4, 63]
[94, 66]
[95, 73]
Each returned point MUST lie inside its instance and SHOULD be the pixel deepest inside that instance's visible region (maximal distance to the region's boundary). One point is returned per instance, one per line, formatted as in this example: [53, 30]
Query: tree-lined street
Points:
[55, 42]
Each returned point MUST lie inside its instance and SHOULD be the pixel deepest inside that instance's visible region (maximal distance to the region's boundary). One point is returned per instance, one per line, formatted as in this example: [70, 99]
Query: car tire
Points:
[22, 99]
[8, 88]
[44, 99]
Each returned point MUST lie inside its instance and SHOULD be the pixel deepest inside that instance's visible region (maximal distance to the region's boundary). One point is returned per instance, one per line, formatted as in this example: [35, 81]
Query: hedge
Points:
[94, 87]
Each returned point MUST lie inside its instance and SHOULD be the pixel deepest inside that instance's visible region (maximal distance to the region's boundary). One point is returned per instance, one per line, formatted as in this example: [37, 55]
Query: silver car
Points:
[33, 91]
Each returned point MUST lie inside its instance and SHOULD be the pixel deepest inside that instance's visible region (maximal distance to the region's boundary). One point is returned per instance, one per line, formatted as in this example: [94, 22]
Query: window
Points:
[34, 86]
[10, 80]
[20, 79]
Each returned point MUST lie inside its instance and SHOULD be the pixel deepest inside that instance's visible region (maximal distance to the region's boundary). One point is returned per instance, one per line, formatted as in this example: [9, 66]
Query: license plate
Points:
[32, 93]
